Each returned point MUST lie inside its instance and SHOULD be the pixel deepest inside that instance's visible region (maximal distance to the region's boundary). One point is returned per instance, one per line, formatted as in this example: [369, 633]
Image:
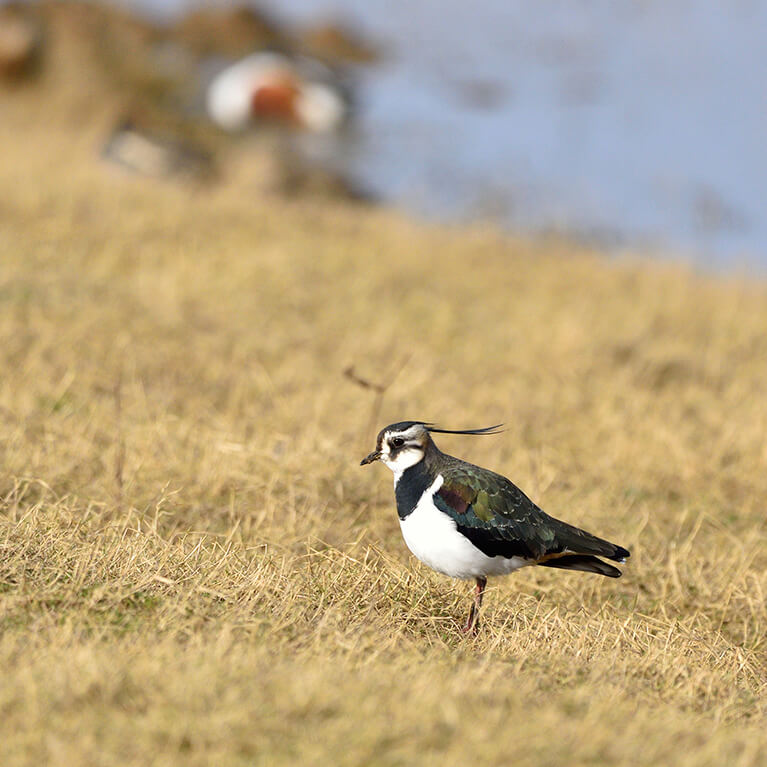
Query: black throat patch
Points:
[411, 486]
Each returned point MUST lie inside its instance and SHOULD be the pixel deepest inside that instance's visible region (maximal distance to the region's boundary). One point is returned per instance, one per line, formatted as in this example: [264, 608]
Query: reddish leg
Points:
[472, 624]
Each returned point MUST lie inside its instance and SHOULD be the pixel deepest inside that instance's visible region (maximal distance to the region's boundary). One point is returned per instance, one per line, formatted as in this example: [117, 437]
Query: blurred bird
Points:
[268, 86]
[468, 522]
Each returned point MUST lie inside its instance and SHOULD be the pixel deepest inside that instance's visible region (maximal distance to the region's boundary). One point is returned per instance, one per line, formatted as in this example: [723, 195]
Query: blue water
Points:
[632, 123]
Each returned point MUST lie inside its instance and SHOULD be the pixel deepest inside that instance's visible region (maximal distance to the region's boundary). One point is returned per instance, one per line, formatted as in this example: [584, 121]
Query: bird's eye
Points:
[397, 442]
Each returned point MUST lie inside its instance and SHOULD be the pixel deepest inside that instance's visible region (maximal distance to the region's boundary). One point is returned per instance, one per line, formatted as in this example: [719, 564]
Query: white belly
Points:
[434, 538]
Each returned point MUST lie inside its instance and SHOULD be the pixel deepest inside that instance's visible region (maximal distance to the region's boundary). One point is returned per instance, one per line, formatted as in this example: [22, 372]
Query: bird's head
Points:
[402, 445]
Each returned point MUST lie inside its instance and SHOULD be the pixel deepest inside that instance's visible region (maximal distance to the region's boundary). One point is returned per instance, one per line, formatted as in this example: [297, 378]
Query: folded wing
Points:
[500, 520]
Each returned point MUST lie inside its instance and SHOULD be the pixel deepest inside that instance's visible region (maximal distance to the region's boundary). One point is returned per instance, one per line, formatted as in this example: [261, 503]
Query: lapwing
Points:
[468, 522]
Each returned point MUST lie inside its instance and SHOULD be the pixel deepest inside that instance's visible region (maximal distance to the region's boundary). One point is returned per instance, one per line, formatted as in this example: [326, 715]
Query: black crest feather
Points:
[485, 430]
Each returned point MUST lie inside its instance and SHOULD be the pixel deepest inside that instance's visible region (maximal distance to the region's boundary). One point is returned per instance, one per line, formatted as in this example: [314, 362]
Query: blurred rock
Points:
[712, 213]
[273, 87]
[152, 154]
[20, 44]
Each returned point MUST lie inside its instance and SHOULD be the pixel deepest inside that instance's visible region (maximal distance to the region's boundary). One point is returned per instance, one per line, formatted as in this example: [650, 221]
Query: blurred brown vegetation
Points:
[194, 569]
[97, 64]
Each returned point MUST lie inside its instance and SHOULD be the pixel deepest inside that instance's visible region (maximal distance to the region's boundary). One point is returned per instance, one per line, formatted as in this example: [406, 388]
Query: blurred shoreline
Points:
[623, 125]
[449, 138]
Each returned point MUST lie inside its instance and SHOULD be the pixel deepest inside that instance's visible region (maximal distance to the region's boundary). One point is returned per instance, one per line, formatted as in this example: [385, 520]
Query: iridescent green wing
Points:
[494, 513]
[500, 520]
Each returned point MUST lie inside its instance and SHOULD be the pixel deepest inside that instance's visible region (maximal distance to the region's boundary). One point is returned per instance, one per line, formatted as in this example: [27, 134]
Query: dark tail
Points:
[619, 554]
[586, 563]
[579, 543]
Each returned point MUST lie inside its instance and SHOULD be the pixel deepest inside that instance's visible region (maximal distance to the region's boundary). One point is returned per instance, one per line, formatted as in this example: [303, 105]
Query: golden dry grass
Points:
[194, 569]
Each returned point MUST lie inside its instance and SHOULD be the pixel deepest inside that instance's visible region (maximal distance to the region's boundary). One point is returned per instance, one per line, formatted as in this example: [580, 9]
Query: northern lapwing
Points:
[468, 522]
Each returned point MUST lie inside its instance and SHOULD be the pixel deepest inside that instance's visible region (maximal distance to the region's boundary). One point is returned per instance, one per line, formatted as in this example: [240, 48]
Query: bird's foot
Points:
[472, 623]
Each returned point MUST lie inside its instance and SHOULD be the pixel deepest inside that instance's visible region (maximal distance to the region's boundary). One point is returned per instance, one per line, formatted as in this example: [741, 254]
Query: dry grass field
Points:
[195, 570]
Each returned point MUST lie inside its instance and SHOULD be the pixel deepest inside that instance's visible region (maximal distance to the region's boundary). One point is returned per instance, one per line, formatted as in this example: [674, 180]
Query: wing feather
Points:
[501, 520]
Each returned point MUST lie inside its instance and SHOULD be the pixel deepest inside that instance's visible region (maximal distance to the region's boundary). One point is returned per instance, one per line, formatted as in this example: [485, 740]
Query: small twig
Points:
[363, 382]
[380, 389]
[119, 438]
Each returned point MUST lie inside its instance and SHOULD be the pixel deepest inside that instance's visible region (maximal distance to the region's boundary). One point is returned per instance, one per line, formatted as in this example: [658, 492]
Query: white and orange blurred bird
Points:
[272, 87]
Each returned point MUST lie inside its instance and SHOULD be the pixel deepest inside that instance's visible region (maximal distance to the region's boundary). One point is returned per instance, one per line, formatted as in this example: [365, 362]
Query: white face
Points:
[402, 449]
